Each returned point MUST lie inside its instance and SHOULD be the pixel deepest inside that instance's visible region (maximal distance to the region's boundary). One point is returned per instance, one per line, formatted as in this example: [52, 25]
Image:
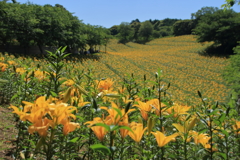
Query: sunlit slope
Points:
[177, 57]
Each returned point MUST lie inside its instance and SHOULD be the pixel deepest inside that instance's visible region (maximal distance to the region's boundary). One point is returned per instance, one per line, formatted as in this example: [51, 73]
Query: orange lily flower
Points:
[178, 110]
[20, 70]
[41, 127]
[162, 140]
[144, 108]
[41, 75]
[236, 127]
[36, 113]
[105, 84]
[69, 83]
[155, 105]
[201, 138]
[3, 66]
[69, 127]
[186, 128]
[99, 131]
[114, 117]
[124, 132]
[138, 131]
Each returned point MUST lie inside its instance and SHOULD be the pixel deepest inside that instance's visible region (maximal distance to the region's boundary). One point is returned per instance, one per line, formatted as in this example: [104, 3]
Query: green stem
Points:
[49, 149]
[185, 149]
[211, 140]
[160, 107]
[227, 148]
[162, 153]
[111, 145]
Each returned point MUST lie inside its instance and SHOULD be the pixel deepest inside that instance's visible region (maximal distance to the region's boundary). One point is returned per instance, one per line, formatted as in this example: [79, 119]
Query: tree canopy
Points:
[221, 27]
[30, 24]
[125, 32]
[145, 31]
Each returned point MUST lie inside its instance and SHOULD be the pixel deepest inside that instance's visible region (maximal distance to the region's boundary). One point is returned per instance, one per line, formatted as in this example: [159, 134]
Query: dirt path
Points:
[8, 133]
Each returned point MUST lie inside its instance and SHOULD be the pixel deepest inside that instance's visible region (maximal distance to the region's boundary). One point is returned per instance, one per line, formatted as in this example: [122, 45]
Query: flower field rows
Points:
[187, 71]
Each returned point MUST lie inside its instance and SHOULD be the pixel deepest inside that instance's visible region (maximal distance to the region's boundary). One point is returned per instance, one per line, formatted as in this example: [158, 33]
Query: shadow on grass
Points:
[216, 51]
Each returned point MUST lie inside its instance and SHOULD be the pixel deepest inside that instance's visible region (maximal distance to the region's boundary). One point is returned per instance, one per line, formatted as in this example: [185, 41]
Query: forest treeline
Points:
[208, 24]
[34, 25]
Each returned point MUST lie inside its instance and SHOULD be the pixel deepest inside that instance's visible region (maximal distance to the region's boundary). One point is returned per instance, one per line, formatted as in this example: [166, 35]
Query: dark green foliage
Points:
[166, 31]
[113, 30]
[145, 31]
[232, 71]
[168, 22]
[136, 20]
[142, 32]
[183, 27]
[221, 27]
[202, 12]
[126, 32]
[156, 34]
[135, 25]
[35, 25]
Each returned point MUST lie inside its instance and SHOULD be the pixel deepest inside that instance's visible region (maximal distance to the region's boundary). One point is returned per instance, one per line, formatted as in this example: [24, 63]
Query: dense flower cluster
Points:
[43, 114]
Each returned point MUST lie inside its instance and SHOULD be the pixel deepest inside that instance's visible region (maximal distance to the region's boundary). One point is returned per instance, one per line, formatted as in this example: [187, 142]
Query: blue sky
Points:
[107, 13]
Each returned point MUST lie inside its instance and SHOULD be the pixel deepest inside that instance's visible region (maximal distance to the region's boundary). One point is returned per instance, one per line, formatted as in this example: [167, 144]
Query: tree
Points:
[202, 12]
[125, 32]
[23, 18]
[183, 27]
[114, 30]
[136, 20]
[221, 27]
[96, 36]
[168, 22]
[145, 31]
[135, 25]
[5, 26]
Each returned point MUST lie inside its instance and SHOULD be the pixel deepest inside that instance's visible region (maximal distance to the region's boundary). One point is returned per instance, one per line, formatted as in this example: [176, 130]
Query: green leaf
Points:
[111, 95]
[107, 127]
[3, 81]
[118, 111]
[225, 132]
[53, 94]
[204, 122]
[63, 49]
[223, 155]
[222, 117]
[40, 143]
[227, 111]
[95, 106]
[168, 85]
[214, 107]
[74, 140]
[100, 147]
[199, 94]
[13, 97]
[127, 107]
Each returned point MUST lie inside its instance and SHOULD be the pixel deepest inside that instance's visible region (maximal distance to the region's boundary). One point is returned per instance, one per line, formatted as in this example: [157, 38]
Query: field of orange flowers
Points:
[177, 57]
[156, 101]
